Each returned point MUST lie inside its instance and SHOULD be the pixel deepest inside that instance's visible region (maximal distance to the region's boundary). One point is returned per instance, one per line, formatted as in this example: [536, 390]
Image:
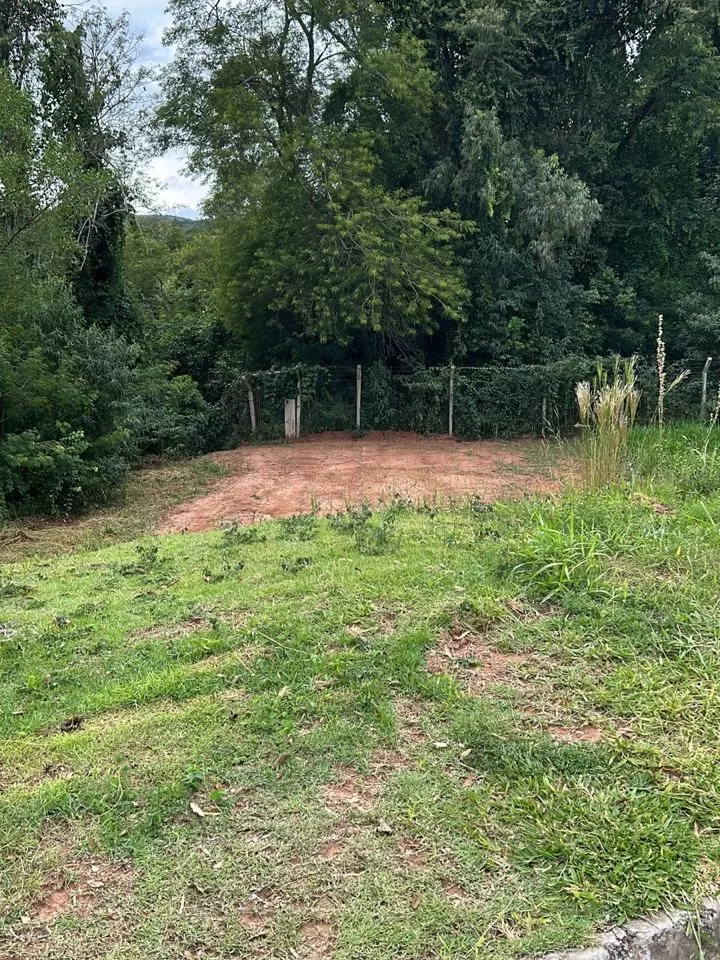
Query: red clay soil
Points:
[333, 470]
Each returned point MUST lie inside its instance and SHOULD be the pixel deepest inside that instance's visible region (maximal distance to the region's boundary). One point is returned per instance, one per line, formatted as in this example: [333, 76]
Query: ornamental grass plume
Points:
[608, 410]
[663, 388]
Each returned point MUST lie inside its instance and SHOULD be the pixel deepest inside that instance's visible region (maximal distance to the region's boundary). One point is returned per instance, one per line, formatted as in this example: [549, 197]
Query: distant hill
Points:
[185, 223]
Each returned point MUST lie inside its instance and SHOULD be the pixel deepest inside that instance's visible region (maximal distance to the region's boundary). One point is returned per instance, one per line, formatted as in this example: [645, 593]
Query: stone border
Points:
[665, 936]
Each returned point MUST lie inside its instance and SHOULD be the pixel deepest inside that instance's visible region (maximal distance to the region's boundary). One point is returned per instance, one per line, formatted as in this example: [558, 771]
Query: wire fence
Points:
[467, 402]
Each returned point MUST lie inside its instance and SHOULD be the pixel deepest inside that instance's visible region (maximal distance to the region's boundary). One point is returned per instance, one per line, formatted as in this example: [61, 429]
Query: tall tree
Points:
[298, 109]
[92, 95]
[23, 24]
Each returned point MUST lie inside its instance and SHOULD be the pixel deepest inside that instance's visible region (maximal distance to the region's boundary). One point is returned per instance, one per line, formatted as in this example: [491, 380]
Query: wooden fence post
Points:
[251, 404]
[703, 403]
[358, 396]
[451, 400]
[544, 415]
[298, 408]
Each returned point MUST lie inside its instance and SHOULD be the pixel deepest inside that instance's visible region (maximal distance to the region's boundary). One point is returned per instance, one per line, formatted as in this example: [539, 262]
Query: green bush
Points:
[168, 414]
[55, 476]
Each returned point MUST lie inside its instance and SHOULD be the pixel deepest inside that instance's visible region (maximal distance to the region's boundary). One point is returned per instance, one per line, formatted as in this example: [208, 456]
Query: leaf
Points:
[198, 810]
[384, 827]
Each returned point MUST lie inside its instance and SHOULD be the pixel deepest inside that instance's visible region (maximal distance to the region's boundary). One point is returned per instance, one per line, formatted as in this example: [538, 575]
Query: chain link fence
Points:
[467, 402]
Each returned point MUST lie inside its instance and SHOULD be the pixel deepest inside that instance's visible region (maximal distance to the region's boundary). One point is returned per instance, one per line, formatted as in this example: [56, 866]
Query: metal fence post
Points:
[358, 396]
[451, 400]
[703, 403]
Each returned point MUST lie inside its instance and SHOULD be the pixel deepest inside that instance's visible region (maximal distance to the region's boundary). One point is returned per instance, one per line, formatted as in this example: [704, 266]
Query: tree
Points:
[300, 111]
[92, 97]
[23, 24]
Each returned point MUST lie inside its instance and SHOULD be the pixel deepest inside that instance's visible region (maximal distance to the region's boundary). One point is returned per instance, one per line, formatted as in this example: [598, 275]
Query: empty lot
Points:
[332, 470]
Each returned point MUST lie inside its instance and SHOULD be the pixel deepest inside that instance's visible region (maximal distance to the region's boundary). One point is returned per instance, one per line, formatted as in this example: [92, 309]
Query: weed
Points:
[300, 527]
[663, 388]
[352, 518]
[296, 565]
[148, 560]
[235, 535]
[373, 533]
[11, 588]
[687, 456]
[559, 557]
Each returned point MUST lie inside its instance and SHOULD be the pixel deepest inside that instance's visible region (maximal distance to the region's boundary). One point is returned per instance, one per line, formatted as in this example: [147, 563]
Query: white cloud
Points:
[176, 191]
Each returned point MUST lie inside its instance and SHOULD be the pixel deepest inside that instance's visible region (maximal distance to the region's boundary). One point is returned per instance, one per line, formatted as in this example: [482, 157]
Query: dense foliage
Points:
[401, 185]
[494, 182]
[80, 397]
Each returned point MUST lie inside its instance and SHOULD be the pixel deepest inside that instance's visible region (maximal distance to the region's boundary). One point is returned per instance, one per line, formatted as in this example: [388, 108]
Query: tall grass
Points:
[683, 456]
[608, 410]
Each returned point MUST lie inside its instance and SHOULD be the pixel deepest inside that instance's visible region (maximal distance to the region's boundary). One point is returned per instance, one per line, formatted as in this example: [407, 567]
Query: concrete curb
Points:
[677, 935]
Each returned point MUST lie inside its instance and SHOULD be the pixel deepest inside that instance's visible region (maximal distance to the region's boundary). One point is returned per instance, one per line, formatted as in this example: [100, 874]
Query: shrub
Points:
[53, 476]
[168, 414]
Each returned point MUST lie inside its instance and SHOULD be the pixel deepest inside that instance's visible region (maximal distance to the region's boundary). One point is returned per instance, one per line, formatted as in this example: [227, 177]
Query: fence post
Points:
[251, 404]
[544, 415]
[451, 400]
[298, 407]
[703, 403]
[358, 396]
[290, 419]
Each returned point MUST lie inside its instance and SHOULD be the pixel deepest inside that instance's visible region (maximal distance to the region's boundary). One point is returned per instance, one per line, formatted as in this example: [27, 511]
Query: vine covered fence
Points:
[469, 402]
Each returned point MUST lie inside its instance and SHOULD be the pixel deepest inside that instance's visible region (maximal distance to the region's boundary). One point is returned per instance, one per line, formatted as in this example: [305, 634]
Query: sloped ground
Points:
[151, 490]
[479, 733]
[331, 470]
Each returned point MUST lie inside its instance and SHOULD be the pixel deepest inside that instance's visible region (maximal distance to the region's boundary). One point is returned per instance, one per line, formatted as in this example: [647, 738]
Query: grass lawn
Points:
[481, 733]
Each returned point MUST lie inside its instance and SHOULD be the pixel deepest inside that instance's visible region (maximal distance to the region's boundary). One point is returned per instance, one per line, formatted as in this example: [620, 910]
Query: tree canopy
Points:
[555, 164]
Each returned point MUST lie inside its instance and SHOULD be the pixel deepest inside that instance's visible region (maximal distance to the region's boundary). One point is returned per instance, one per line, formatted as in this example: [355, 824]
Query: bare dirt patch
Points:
[352, 791]
[81, 889]
[334, 470]
[332, 851]
[317, 939]
[256, 915]
[409, 719]
[412, 855]
[454, 893]
[171, 631]
[583, 734]
[467, 655]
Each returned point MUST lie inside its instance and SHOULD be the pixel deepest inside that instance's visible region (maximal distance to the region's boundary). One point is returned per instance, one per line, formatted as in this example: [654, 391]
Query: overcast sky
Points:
[178, 193]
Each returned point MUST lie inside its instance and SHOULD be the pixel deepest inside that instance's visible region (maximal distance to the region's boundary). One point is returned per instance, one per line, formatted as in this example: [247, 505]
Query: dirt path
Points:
[333, 470]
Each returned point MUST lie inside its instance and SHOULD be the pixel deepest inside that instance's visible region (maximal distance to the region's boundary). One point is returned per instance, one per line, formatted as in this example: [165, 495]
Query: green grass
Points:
[480, 733]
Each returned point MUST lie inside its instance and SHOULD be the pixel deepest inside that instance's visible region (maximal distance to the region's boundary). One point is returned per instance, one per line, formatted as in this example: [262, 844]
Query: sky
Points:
[177, 193]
